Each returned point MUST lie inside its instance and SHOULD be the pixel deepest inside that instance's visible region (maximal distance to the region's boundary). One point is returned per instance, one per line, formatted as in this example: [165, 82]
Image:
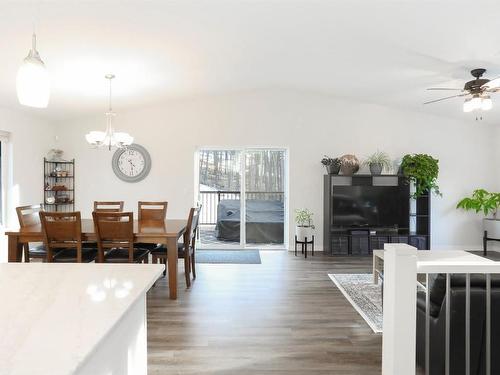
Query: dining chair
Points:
[156, 211]
[185, 249]
[62, 233]
[153, 211]
[115, 206]
[115, 238]
[105, 206]
[27, 216]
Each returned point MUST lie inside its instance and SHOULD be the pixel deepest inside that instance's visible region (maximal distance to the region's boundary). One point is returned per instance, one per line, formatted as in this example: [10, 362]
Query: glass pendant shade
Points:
[475, 102]
[33, 83]
[468, 106]
[486, 103]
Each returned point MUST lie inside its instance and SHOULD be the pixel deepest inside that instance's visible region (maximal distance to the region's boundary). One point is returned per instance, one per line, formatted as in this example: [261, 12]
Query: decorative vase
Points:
[333, 169]
[376, 168]
[349, 164]
[302, 232]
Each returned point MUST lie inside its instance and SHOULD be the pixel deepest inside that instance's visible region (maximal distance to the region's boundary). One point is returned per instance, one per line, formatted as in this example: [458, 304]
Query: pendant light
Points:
[109, 138]
[33, 83]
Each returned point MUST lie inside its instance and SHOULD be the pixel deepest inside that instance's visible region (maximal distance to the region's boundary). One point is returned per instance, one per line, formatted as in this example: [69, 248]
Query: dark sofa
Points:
[437, 286]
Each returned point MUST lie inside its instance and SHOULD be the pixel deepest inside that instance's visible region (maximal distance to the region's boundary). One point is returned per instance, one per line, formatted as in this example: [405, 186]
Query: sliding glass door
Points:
[264, 197]
[243, 197]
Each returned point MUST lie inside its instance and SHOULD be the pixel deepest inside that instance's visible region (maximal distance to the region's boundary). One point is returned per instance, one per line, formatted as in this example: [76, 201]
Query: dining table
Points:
[166, 232]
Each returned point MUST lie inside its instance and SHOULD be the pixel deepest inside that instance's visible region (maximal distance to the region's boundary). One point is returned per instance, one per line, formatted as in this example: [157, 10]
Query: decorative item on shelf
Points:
[109, 138]
[332, 165]
[349, 164]
[55, 155]
[488, 203]
[304, 224]
[50, 200]
[59, 188]
[423, 171]
[377, 162]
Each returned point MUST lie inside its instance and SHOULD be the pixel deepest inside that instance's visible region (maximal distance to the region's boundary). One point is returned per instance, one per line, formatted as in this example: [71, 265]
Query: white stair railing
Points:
[401, 267]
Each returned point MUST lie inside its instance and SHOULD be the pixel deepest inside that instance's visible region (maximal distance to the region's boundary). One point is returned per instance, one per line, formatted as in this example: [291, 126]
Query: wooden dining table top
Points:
[142, 228]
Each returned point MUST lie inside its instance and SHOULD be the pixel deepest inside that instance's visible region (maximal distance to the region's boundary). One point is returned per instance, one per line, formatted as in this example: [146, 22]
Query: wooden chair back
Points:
[116, 206]
[114, 230]
[192, 226]
[156, 211]
[29, 215]
[62, 230]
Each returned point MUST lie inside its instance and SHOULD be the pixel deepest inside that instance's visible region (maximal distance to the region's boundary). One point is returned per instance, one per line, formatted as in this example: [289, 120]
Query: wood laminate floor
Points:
[284, 316]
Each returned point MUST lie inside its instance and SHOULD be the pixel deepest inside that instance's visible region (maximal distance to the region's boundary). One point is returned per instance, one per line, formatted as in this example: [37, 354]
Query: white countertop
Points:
[52, 316]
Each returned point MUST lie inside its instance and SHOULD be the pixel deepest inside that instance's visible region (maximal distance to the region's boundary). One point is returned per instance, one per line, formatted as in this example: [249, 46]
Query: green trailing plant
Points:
[304, 218]
[423, 170]
[327, 161]
[481, 201]
[378, 157]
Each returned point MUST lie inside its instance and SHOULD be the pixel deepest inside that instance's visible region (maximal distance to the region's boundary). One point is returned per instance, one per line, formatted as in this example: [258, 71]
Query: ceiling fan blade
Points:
[492, 84]
[443, 88]
[448, 97]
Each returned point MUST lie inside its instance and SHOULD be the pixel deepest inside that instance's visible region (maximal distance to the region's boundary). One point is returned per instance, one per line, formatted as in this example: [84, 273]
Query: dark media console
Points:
[363, 212]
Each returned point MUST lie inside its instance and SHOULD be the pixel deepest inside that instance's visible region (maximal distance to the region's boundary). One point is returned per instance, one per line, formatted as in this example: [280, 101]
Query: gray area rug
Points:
[228, 256]
[363, 295]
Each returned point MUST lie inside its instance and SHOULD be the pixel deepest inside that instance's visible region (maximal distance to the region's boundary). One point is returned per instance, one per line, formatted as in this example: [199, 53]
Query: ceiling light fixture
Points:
[33, 83]
[478, 102]
[109, 138]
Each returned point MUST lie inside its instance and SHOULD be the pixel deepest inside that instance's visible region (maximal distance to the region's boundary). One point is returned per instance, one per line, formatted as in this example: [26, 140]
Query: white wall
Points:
[310, 125]
[30, 139]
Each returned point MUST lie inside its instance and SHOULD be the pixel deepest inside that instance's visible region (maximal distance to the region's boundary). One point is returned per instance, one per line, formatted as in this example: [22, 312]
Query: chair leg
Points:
[186, 271]
[154, 259]
[193, 265]
[146, 259]
[164, 261]
[26, 248]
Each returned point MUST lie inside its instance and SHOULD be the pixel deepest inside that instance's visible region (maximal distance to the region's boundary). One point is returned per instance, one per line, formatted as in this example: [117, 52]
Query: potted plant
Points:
[487, 203]
[377, 162]
[304, 224]
[332, 165]
[423, 171]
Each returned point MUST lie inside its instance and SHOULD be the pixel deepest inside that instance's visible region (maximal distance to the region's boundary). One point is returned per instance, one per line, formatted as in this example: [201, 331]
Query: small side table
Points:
[304, 245]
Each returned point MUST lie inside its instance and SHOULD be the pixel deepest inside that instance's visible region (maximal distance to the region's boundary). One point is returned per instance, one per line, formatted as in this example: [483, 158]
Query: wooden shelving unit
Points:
[59, 183]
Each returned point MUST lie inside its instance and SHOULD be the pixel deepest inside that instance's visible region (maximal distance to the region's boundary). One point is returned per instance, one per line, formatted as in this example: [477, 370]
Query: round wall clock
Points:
[131, 164]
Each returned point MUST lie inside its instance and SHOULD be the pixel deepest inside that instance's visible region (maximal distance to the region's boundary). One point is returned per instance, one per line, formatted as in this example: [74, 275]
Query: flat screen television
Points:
[371, 206]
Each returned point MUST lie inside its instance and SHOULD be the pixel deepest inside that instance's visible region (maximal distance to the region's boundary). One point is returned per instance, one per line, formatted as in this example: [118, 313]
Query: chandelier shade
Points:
[32, 82]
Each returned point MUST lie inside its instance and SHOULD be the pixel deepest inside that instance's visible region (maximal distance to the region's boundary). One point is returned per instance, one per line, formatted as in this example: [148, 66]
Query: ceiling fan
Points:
[477, 92]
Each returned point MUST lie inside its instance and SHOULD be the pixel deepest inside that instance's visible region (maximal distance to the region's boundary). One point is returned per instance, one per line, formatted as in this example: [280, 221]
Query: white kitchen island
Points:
[85, 319]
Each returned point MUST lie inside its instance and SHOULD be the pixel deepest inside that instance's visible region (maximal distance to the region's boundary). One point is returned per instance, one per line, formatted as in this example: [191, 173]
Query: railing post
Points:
[400, 299]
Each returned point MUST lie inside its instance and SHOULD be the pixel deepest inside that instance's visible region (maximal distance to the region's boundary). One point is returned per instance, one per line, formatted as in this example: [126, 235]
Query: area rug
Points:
[363, 295]
[228, 256]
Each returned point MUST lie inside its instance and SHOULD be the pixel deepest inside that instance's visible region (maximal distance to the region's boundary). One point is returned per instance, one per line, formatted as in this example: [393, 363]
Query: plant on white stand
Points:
[487, 203]
[304, 225]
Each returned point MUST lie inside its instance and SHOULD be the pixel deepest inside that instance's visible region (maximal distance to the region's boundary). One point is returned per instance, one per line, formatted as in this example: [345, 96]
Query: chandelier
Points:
[109, 138]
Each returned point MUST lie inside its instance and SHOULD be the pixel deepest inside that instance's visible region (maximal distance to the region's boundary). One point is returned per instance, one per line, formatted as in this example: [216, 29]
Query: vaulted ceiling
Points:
[384, 52]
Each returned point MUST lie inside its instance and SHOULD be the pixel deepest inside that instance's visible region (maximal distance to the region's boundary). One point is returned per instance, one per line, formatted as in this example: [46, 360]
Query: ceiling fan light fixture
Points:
[486, 103]
[468, 106]
[476, 102]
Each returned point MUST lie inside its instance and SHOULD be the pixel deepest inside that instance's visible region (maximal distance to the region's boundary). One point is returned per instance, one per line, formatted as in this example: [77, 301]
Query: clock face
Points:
[131, 164]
